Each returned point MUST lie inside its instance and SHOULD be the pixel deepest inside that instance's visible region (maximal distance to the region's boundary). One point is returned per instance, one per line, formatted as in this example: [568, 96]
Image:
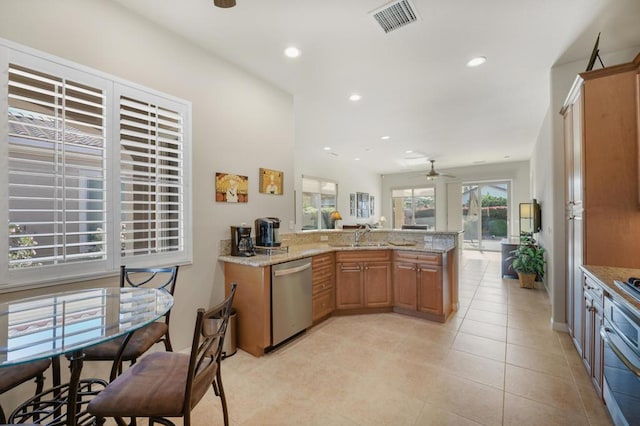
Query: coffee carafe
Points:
[241, 242]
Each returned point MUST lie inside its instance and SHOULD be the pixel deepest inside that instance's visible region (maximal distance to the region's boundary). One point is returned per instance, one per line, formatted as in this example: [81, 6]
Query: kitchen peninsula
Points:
[406, 271]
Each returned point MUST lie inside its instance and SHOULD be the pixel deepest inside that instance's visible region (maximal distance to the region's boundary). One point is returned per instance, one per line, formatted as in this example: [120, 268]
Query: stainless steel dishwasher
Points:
[290, 299]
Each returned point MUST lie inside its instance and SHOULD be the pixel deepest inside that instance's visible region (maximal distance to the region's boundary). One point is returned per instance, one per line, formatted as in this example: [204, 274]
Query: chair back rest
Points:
[206, 348]
[162, 278]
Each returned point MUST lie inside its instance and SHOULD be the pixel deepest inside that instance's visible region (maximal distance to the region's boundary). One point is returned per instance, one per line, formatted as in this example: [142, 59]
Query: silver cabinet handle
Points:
[604, 333]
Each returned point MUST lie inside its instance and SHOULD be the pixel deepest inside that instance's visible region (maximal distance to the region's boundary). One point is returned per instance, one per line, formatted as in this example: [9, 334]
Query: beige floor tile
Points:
[541, 361]
[480, 346]
[483, 329]
[498, 308]
[549, 390]
[596, 411]
[519, 411]
[487, 317]
[546, 340]
[469, 399]
[432, 415]
[476, 368]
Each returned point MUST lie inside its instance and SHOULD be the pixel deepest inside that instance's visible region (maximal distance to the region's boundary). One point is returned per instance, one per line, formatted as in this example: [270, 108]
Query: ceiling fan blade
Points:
[224, 3]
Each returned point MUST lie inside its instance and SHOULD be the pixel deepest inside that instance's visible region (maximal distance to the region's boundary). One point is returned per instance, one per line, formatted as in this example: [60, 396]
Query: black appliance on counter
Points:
[268, 232]
[241, 242]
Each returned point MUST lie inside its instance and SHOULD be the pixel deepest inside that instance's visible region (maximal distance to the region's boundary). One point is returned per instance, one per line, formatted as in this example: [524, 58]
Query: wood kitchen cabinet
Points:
[253, 305]
[323, 282]
[602, 219]
[420, 286]
[363, 279]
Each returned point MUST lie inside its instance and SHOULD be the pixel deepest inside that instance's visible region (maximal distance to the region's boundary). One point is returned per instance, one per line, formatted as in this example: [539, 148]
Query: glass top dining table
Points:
[61, 323]
[65, 323]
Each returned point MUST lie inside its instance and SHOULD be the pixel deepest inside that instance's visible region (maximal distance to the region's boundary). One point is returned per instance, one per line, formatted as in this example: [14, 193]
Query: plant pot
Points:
[527, 280]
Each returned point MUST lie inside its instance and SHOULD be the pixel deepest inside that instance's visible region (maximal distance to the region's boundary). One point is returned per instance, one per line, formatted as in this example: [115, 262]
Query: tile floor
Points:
[496, 362]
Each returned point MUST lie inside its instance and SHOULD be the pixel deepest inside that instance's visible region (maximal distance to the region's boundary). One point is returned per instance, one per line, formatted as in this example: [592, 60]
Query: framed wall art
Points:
[232, 188]
[271, 181]
[352, 204]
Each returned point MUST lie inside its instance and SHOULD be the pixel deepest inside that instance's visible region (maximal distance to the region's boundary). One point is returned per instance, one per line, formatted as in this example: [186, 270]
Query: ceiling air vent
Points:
[395, 15]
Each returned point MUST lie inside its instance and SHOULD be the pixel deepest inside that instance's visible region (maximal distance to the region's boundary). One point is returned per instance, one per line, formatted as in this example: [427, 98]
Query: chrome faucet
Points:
[360, 233]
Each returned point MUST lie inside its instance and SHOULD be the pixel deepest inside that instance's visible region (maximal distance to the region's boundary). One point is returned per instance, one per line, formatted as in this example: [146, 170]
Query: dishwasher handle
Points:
[289, 271]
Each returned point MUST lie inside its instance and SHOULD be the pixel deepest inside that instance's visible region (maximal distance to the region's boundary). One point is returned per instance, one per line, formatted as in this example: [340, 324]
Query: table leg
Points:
[76, 361]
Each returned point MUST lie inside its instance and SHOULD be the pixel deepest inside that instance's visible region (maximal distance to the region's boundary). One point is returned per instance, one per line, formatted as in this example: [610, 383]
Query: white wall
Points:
[240, 123]
[448, 210]
[350, 180]
[547, 164]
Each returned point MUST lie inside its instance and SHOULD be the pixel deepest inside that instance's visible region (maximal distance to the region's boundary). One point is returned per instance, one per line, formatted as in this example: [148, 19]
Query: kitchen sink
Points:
[367, 244]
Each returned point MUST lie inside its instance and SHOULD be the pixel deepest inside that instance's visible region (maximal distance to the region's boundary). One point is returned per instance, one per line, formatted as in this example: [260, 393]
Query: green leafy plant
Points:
[25, 244]
[528, 257]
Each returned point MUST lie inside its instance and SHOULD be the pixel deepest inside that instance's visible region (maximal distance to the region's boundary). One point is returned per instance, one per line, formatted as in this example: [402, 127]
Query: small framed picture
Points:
[271, 181]
[352, 204]
[372, 205]
[232, 188]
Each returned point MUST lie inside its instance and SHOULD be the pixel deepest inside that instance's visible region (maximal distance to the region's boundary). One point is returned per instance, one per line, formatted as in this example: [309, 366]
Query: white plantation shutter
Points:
[56, 170]
[152, 178]
[95, 172]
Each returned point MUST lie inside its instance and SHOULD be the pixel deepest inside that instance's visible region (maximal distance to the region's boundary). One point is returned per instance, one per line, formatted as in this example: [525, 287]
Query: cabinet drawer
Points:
[324, 273]
[323, 304]
[363, 256]
[594, 289]
[322, 260]
[413, 256]
[323, 285]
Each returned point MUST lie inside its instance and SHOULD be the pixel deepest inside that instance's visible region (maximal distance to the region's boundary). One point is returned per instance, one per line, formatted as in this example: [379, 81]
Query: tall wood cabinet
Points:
[601, 190]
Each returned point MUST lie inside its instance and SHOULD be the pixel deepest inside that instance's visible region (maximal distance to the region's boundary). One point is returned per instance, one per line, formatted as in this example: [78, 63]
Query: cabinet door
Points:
[405, 286]
[589, 330]
[349, 286]
[430, 289]
[598, 348]
[377, 284]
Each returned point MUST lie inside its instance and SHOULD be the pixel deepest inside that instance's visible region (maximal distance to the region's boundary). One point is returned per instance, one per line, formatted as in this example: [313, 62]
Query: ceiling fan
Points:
[432, 174]
[224, 3]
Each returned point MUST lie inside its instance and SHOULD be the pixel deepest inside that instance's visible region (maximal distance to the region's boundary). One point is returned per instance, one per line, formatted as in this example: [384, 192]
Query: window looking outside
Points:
[414, 206]
[89, 189]
[319, 200]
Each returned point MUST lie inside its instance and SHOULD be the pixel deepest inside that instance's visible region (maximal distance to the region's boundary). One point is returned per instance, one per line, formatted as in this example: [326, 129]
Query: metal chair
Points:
[15, 375]
[130, 348]
[169, 384]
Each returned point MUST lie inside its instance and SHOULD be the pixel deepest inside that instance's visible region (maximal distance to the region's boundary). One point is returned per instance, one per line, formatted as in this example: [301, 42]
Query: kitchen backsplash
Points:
[436, 240]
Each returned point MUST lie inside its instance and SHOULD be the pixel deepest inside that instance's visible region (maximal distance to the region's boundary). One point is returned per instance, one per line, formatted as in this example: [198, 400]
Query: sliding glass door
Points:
[485, 214]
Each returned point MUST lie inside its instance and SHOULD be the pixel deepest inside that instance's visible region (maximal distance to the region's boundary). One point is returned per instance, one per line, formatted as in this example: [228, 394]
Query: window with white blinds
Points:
[94, 170]
[151, 178]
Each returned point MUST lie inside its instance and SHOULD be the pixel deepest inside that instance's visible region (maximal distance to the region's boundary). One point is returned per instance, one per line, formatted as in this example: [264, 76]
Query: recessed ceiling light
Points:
[408, 151]
[292, 52]
[327, 148]
[385, 138]
[357, 158]
[355, 97]
[477, 61]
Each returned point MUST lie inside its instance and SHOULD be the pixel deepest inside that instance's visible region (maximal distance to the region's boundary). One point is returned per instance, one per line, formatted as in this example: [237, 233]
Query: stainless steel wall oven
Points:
[621, 335]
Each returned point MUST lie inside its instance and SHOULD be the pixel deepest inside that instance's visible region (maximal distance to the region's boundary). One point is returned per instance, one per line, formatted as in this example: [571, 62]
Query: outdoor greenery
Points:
[25, 244]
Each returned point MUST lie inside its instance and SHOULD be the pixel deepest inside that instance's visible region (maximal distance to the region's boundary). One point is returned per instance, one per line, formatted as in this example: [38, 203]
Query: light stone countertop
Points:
[607, 274]
[300, 251]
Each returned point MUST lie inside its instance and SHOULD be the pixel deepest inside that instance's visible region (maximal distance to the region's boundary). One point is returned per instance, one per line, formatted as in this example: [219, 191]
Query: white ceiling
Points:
[414, 84]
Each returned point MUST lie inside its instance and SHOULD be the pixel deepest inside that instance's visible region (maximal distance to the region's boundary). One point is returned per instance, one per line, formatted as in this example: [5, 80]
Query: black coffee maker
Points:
[268, 232]
[241, 243]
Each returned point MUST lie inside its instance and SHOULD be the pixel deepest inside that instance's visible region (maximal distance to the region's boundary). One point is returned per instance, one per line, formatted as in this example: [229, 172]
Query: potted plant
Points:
[528, 261]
